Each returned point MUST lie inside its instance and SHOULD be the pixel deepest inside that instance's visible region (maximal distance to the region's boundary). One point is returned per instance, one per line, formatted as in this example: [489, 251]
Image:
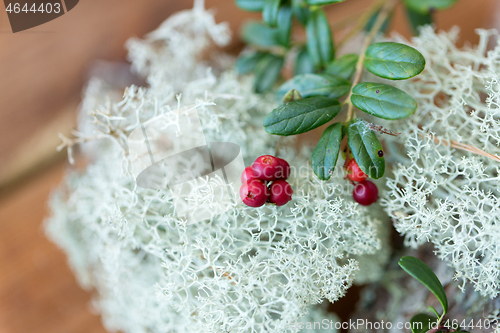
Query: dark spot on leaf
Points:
[380, 153]
[328, 151]
[377, 91]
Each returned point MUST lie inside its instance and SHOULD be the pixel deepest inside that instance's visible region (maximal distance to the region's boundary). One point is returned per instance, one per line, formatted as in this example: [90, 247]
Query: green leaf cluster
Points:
[310, 98]
[321, 92]
[272, 37]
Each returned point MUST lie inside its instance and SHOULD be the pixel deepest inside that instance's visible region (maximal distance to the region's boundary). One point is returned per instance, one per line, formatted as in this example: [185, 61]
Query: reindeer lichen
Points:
[246, 270]
[445, 188]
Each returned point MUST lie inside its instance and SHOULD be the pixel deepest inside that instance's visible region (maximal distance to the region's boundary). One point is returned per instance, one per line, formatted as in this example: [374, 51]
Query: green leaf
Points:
[284, 26]
[270, 12]
[315, 85]
[383, 101]
[417, 19]
[373, 18]
[422, 323]
[425, 6]
[366, 149]
[267, 71]
[301, 116]
[343, 66]
[420, 271]
[251, 5]
[303, 64]
[322, 2]
[326, 153]
[247, 61]
[255, 33]
[319, 39]
[258, 34]
[431, 309]
[301, 11]
[394, 61]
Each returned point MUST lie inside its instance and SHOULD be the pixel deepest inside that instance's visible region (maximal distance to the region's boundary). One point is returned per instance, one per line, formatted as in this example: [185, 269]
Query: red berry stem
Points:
[278, 146]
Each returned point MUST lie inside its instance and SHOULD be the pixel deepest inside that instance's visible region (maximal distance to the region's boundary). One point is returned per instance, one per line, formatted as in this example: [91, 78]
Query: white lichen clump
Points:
[445, 188]
[247, 270]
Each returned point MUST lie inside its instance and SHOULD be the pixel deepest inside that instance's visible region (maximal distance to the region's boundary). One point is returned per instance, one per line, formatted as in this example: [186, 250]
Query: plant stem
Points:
[278, 146]
[361, 22]
[384, 12]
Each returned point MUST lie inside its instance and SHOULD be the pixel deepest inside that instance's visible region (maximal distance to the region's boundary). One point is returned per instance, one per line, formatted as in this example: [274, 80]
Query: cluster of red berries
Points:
[265, 181]
[365, 192]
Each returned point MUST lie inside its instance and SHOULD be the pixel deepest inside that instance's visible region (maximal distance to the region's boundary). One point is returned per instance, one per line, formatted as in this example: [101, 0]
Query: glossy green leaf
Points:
[420, 271]
[267, 71]
[270, 12]
[417, 19]
[258, 34]
[394, 61]
[284, 27]
[251, 5]
[343, 66]
[422, 323]
[301, 11]
[303, 64]
[301, 116]
[326, 153]
[366, 149]
[322, 2]
[319, 39]
[247, 61]
[425, 6]
[383, 101]
[315, 85]
[431, 309]
[373, 18]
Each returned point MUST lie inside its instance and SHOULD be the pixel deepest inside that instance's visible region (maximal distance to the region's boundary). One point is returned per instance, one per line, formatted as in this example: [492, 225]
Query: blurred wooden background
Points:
[42, 73]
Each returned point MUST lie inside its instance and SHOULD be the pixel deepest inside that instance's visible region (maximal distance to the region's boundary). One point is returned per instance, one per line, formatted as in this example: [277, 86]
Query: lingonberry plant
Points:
[323, 84]
[427, 323]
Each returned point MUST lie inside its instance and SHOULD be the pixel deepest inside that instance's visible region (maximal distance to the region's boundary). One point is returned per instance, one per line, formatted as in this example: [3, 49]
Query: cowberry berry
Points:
[354, 172]
[281, 192]
[365, 193]
[266, 167]
[284, 171]
[254, 193]
[247, 175]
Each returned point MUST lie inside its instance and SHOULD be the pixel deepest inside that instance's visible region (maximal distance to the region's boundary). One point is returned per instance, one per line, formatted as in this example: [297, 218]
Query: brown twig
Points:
[382, 129]
[465, 147]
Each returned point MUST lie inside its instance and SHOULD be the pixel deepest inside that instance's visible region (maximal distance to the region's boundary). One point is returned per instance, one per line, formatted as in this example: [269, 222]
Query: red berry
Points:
[266, 167]
[354, 172]
[281, 192]
[247, 175]
[284, 172]
[365, 193]
[254, 193]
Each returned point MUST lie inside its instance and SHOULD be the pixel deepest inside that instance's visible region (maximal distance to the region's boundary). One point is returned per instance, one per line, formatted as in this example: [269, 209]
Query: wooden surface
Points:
[38, 292]
[42, 72]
